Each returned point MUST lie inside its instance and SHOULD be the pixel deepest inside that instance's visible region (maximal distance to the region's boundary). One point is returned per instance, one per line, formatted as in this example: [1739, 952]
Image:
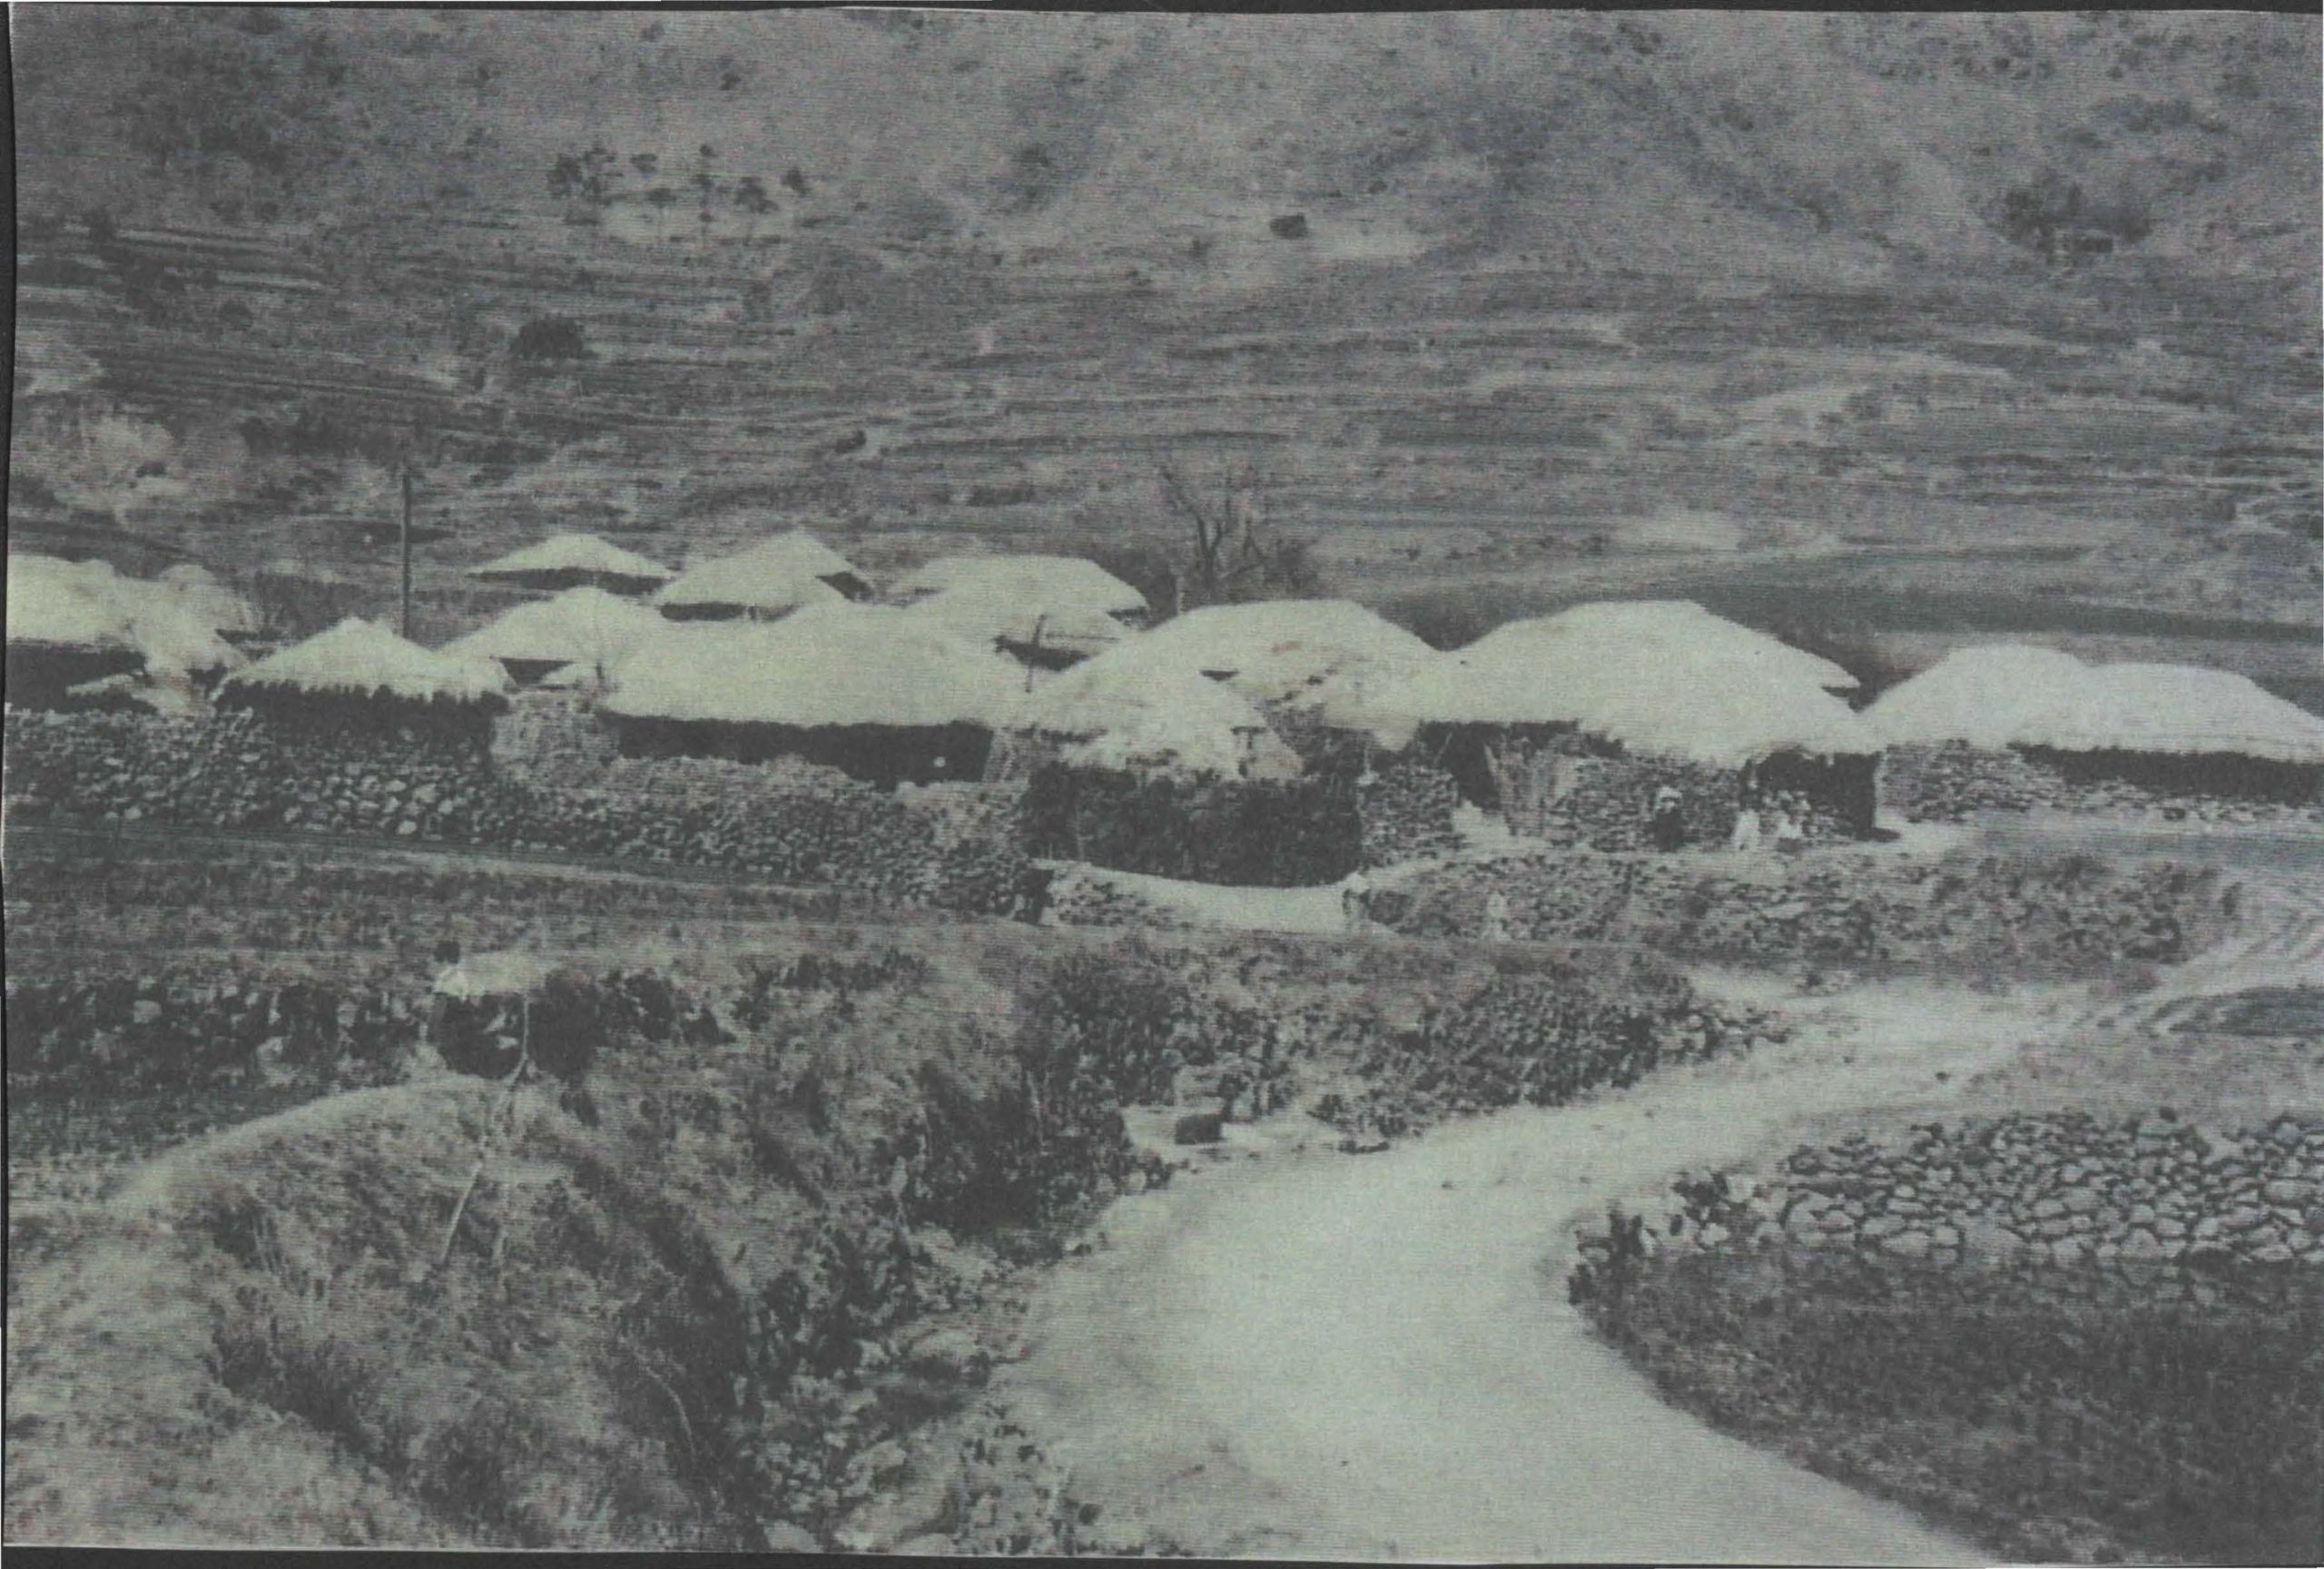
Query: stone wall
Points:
[2005, 916]
[953, 846]
[552, 738]
[2060, 1189]
[1406, 810]
[1950, 782]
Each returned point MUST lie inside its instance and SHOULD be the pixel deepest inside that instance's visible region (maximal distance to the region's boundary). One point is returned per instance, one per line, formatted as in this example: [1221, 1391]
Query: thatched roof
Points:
[1695, 701]
[580, 625]
[584, 552]
[217, 605]
[87, 605]
[1033, 583]
[1119, 710]
[829, 665]
[785, 572]
[357, 658]
[989, 614]
[1682, 627]
[2002, 694]
[1296, 651]
[506, 973]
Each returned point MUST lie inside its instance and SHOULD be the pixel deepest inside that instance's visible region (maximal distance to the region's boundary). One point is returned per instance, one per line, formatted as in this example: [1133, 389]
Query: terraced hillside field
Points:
[1476, 363]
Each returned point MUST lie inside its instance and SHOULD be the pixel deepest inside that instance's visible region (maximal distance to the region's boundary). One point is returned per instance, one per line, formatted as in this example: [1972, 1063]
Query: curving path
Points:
[1294, 1352]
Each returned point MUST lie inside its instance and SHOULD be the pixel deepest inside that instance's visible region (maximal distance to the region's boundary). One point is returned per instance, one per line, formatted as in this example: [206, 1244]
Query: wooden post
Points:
[404, 624]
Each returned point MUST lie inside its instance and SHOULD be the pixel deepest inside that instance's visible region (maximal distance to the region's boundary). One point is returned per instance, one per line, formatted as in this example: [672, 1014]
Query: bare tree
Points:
[1236, 552]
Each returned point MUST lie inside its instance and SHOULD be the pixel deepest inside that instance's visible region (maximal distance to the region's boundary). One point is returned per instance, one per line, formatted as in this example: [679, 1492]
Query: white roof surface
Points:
[1035, 582]
[1120, 710]
[1684, 627]
[2000, 695]
[174, 623]
[509, 972]
[1689, 699]
[574, 553]
[827, 665]
[987, 611]
[583, 625]
[1297, 651]
[358, 657]
[785, 573]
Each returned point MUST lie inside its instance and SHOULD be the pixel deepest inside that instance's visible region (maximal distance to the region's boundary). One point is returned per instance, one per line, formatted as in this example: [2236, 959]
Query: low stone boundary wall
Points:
[1951, 783]
[1998, 916]
[951, 846]
[2060, 1189]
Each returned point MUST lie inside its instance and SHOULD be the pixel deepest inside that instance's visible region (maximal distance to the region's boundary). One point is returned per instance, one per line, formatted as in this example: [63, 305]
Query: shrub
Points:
[550, 338]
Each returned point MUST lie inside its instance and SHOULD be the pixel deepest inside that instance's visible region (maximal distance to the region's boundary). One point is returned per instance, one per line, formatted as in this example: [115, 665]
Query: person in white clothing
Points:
[1355, 896]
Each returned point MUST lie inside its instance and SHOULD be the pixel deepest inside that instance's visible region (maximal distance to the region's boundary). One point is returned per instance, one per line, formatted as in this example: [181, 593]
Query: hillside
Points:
[1569, 296]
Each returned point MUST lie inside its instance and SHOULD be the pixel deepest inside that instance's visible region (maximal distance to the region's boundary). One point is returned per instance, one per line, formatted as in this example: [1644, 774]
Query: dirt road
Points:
[1298, 1353]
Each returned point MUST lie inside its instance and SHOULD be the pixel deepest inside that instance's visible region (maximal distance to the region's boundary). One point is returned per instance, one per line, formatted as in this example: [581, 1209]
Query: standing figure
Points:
[1666, 828]
[1791, 837]
[1496, 916]
[1747, 826]
[1356, 899]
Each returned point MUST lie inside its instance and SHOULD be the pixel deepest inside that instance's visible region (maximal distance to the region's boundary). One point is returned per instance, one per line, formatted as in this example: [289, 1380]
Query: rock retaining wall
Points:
[2000, 915]
[949, 846]
[2058, 1189]
[1951, 783]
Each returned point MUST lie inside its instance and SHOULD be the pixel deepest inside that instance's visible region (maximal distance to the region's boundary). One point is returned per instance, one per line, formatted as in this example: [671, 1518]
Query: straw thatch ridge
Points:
[72, 622]
[583, 626]
[574, 561]
[2012, 695]
[1298, 652]
[1706, 700]
[1685, 627]
[1051, 583]
[1120, 711]
[829, 665]
[359, 659]
[773, 577]
[1048, 635]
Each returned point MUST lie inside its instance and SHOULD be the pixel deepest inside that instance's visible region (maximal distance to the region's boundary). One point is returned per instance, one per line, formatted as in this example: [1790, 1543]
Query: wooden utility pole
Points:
[404, 625]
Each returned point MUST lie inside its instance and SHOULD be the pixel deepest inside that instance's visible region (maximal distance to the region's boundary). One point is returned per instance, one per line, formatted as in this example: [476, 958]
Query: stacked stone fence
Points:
[948, 846]
[1954, 782]
[2056, 1189]
[1993, 915]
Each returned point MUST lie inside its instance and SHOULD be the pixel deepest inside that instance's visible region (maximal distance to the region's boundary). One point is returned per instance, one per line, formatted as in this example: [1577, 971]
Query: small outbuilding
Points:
[2013, 727]
[361, 678]
[764, 583]
[574, 561]
[588, 628]
[880, 694]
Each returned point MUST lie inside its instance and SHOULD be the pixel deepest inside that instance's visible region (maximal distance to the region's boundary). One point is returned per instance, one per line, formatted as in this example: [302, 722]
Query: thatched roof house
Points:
[1121, 711]
[574, 561]
[2012, 695]
[769, 580]
[1297, 652]
[1681, 627]
[872, 690]
[588, 628]
[74, 623]
[361, 675]
[1562, 722]
[1046, 611]
[1695, 702]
